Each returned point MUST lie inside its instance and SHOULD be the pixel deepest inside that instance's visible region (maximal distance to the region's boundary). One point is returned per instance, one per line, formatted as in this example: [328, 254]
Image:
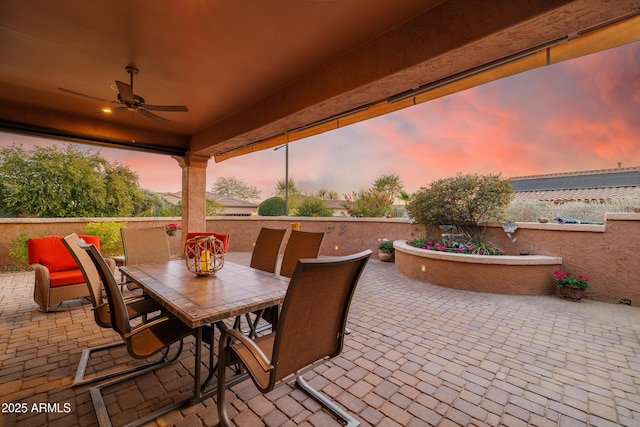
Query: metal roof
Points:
[614, 178]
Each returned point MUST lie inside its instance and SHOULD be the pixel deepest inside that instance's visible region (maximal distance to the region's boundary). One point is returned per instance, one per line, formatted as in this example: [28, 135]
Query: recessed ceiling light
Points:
[106, 110]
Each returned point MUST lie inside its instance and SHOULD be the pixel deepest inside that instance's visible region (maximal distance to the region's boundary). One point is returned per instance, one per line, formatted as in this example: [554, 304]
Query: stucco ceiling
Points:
[249, 70]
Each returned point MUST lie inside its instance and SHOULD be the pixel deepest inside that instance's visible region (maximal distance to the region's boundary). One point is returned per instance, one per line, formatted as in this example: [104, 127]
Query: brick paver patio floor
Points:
[418, 355]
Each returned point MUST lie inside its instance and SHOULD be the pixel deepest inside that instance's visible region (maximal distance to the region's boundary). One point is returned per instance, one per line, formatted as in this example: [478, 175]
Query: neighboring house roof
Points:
[173, 198]
[587, 185]
[227, 202]
[334, 203]
[230, 201]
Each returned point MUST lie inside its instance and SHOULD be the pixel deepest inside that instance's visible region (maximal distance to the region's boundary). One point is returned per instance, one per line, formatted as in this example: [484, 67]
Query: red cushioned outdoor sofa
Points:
[57, 276]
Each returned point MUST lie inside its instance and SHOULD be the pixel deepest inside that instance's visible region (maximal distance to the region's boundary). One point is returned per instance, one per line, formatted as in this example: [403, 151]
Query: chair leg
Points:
[86, 356]
[253, 325]
[327, 403]
[101, 409]
[222, 363]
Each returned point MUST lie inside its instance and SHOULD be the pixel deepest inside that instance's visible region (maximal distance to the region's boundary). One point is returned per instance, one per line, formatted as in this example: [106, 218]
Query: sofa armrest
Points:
[42, 273]
[41, 286]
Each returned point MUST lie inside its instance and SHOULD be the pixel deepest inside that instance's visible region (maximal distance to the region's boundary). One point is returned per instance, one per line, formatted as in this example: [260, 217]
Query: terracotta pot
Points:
[384, 256]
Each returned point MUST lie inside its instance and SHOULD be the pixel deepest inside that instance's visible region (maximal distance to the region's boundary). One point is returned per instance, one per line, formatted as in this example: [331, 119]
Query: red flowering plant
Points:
[171, 228]
[564, 279]
[471, 249]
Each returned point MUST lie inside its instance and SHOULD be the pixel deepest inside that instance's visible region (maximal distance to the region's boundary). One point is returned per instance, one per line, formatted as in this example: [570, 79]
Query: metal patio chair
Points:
[148, 245]
[301, 245]
[310, 330]
[136, 307]
[265, 252]
[142, 341]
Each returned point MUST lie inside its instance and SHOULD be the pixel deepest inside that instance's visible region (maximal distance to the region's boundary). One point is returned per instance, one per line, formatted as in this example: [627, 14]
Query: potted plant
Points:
[571, 286]
[171, 229]
[385, 250]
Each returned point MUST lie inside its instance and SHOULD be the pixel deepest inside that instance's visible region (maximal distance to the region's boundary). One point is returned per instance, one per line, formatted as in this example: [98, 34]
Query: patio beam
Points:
[447, 40]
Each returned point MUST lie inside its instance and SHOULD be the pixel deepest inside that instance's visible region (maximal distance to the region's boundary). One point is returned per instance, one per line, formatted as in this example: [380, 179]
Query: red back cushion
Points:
[224, 238]
[50, 252]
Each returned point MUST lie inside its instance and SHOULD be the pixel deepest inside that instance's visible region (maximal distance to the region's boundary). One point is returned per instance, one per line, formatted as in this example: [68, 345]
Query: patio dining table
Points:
[204, 301]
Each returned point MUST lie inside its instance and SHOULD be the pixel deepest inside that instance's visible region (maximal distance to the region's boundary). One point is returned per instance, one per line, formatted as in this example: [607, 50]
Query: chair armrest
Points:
[139, 328]
[135, 298]
[111, 263]
[99, 306]
[255, 351]
[128, 300]
[42, 272]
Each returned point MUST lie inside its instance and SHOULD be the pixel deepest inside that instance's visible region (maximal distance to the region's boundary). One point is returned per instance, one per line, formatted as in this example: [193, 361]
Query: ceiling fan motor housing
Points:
[133, 102]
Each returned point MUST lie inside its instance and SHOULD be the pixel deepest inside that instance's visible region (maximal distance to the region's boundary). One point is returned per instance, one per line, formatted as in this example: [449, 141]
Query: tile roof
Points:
[223, 200]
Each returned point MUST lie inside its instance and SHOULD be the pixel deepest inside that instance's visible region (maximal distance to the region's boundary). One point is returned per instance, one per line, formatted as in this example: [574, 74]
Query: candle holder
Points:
[204, 255]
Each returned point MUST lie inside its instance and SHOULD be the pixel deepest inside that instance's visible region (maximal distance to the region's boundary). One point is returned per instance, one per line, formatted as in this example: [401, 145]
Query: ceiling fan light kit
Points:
[132, 102]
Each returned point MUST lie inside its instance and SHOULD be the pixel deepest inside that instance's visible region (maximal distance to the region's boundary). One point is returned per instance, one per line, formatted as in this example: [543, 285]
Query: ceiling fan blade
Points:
[119, 110]
[126, 92]
[166, 107]
[82, 94]
[149, 114]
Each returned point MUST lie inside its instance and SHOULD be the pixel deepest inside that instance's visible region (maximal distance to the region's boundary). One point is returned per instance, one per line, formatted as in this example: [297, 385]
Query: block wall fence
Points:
[607, 253]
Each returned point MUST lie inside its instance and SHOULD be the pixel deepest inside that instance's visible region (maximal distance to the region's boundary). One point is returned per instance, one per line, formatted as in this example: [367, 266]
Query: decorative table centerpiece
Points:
[204, 255]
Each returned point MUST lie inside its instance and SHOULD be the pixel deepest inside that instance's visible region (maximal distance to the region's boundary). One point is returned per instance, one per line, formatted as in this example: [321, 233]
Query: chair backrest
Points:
[301, 245]
[91, 277]
[266, 249]
[313, 319]
[117, 306]
[224, 238]
[145, 245]
[50, 252]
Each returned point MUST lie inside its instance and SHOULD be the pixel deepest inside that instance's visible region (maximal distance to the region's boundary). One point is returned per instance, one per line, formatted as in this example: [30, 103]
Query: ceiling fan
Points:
[133, 102]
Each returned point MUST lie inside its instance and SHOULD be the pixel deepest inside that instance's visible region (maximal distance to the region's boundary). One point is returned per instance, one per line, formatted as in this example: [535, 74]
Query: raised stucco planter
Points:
[508, 274]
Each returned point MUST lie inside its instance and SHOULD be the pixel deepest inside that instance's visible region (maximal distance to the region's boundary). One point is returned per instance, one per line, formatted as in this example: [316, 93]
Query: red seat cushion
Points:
[63, 278]
[50, 252]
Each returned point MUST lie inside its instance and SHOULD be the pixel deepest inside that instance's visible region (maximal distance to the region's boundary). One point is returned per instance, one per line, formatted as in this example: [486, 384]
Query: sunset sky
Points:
[579, 115]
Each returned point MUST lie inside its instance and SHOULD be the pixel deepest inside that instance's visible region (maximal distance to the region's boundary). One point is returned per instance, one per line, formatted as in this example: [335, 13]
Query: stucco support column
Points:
[194, 187]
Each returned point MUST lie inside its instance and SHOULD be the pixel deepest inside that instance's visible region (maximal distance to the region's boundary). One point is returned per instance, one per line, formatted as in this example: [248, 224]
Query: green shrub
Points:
[273, 206]
[313, 207]
[464, 202]
[18, 251]
[369, 204]
[109, 233]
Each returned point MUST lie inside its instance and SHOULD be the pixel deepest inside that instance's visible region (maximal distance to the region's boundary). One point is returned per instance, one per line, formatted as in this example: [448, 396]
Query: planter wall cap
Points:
[622, 216]
[402, 246]
[594, 228]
